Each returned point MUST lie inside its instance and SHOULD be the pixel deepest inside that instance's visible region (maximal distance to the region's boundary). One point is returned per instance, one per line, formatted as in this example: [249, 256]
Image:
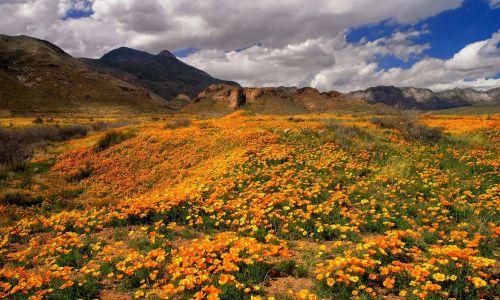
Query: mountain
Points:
[162, 74]
[494, 93]
[419, 98]
[219, 98]
[37, 76]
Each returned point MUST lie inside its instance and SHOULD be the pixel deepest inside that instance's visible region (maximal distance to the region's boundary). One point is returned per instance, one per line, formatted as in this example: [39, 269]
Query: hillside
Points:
[163, 73]
[419, 98]
[273, 100]
[37, 76]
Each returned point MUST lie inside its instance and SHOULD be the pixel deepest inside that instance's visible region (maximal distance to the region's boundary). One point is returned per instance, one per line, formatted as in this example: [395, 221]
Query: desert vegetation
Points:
[248, 206]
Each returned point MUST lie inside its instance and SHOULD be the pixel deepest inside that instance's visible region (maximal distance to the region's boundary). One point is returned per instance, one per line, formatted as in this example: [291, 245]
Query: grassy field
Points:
[246, 206]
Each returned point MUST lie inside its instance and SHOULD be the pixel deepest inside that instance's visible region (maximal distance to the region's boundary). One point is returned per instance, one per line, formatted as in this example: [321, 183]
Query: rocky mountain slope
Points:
[419, 98]
[272, 100]
[162, 74]
[37, 76]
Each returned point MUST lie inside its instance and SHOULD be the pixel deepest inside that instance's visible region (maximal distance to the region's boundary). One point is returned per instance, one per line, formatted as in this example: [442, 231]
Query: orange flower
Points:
[330, 281]
[389, 282]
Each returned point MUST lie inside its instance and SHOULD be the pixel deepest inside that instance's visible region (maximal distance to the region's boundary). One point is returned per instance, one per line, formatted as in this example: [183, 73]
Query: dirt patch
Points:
[114, 295]
[280, 286]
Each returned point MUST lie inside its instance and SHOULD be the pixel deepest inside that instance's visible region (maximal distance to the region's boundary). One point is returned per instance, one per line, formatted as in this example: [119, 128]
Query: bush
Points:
[17, 146]
[409, 127]
[14, 153]
[342, 130]
[3, 173]
[178, 123]
[20, 199]
[36, 134]
[295, 120]
[112, 138]
[422, 133]
[386, 122]
[110, 125]
[66, 133]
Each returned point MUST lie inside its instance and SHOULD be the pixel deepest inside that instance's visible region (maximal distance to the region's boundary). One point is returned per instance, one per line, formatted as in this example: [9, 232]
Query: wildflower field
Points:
[257, 207]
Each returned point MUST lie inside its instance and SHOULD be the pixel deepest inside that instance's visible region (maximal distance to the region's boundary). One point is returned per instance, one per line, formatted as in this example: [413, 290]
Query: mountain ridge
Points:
[37, 76]
[426, 99]
[162, 73]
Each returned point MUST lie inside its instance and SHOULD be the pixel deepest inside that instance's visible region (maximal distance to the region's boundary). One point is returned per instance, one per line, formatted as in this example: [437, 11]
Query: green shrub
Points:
[112, 138]
[179, 123]
[291, 268]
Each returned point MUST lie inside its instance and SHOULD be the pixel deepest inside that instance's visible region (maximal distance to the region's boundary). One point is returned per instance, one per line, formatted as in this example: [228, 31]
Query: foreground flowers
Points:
[192, 215]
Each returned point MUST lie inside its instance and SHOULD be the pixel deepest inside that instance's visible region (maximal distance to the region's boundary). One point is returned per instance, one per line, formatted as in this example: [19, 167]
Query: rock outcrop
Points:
[305, 99]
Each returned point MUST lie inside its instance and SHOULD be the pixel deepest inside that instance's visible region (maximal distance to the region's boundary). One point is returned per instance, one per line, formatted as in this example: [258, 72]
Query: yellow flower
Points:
[330, 281]
[478, 282]
[303, 294]
[139, 294]
[453, 277]
[439, 277]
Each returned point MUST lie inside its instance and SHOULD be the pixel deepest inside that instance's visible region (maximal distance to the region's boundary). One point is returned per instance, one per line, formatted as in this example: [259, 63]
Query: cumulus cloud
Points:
[315, 62]
[300, 45]
[337, 64]
[155, 25]
[473, 64]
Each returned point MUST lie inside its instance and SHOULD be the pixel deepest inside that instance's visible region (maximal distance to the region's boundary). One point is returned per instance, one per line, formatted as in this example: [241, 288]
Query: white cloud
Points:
[155, 25]
[302, 45]
[336, 64]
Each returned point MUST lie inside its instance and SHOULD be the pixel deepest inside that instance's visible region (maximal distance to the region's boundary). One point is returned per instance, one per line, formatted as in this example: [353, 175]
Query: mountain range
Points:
[37, 76]
[426, 99]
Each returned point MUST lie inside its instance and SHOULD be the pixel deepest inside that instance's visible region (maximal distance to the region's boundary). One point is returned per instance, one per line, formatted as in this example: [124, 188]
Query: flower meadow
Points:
[261, 207]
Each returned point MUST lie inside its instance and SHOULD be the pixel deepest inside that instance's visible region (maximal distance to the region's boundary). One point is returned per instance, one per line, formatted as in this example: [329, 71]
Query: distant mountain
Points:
[163, 73]
[419, 98]
[220, 98]
[37, 76]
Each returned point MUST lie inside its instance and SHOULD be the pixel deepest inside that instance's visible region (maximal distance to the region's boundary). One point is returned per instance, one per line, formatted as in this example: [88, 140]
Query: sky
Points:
[326, 44]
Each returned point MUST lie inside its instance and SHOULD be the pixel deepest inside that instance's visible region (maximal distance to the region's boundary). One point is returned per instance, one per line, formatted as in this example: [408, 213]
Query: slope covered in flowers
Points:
[239, 207]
